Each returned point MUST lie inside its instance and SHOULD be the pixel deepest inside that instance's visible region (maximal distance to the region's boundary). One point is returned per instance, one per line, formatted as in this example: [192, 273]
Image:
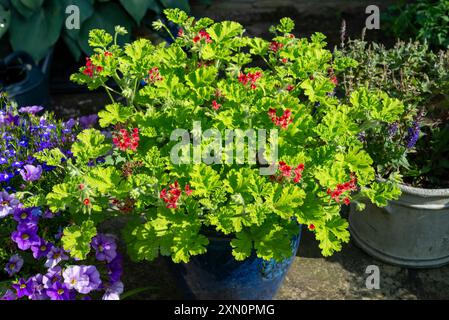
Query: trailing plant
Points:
[414, 146]
[208, 74]
[38, 249]
[425, 20]
[35, 26]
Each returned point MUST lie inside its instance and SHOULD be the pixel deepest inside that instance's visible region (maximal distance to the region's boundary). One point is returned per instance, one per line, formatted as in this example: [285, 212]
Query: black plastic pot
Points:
[24, 80]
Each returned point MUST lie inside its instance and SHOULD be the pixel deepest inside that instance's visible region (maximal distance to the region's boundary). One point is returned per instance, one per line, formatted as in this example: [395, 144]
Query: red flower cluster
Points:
[290, 87]
[108, 54]
[284, 60]
[215, 105]
[334, 80]
[311, 227]
[276, 46]
[282, 121]
[172, 196]
[341, 188]
[286, 172]
[202, 35]
[180, 32]
[90, 70]
[154, 75]
[124, 141]
[250, 78]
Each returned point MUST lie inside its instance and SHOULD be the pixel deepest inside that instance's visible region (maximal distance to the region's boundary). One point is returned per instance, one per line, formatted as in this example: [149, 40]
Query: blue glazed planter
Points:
[216, 275]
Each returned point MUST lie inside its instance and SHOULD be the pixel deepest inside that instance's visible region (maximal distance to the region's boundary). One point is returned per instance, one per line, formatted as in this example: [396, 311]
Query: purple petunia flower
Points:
[8, 203]
[23, 288]
[115, 268]
[52, 276]
[83, 279]
[59, 291]
[25, 216]
[41, 249]
[31, 110]
[105, 247]
[9, 296]
[31, 173]
[114, 291]
[54, 256]
[89, 121]
[25, 236]
[39, 292]
[14, 265]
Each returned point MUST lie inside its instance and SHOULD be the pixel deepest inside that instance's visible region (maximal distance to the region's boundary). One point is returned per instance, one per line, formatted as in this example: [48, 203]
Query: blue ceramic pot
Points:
[216, 275]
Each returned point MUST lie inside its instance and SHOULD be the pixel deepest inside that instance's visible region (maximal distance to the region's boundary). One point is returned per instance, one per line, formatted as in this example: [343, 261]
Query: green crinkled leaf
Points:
[52, 157]
[204, 180]
[106, 180]
[89, 145]
[381, 192]
[242, 246]
[188, 243]
[113, 114]
[60, 197]
[77, 239]
[331, 234]
[222, 31]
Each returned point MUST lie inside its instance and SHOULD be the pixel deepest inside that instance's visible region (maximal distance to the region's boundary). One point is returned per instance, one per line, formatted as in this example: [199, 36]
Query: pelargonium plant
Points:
[213, 76]
[34, 263]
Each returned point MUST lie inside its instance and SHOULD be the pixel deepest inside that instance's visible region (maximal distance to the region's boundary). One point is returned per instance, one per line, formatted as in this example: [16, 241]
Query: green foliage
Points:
[89, 145]
[206, 75]
[425, 20]
[77, 239]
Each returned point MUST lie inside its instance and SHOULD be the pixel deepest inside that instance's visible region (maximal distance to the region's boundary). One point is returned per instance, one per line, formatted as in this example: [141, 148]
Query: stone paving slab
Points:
[343, 276]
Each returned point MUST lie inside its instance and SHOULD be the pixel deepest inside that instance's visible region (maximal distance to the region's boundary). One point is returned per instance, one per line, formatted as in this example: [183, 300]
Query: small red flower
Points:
[276, 46]
[126, 141]
[154, 75]
[334, 80]
[215, 105]
[311, 227]
[250, 78]
[172, 195]
[86, 202]
[180, 32]
[284, 60]
[81, 186]
[282, 121]
[108, 54]
[290, 87]
[202, 35]
[342, 188]
[187, 190]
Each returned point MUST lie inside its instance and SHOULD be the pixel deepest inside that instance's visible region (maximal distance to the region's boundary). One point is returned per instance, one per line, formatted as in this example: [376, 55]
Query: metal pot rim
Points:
[421, 191]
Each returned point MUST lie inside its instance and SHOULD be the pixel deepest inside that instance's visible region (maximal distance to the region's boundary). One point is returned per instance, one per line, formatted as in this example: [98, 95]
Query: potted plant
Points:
[34, 263]
[410, 231]
[231, 215]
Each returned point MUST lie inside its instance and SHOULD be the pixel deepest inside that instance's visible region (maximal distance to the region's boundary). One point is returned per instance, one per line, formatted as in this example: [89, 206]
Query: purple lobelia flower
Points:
[9, 296]
[23, 288]
[87, 122]
[113, 291]
[52, 276]
[31, 110]
[54, 256]
[83, 279]
[105, 247]
[31, 173]
[25, 236]
[8, 203]
[412, 135]
[59, 291]
[41, 249]
[14, 265]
